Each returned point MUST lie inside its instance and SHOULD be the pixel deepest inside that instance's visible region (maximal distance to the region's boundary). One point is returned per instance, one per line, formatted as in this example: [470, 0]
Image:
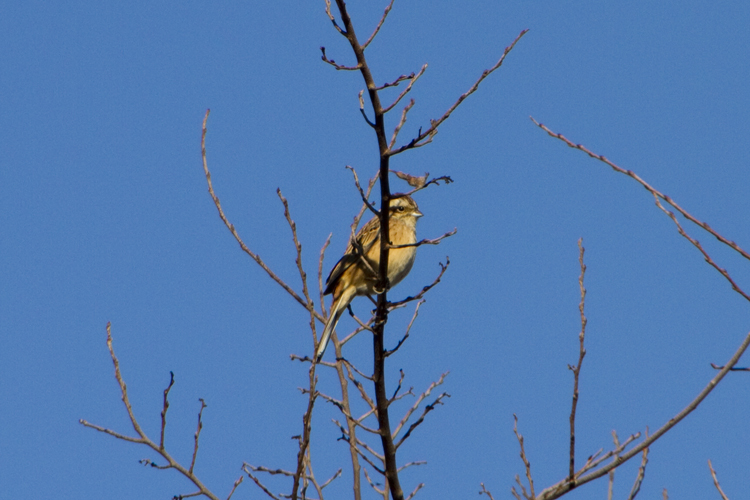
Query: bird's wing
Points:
[367, 237]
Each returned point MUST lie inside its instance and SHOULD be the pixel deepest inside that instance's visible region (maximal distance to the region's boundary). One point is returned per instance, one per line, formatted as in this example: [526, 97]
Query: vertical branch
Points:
[577, 369]
[351, 425]
[381, 314]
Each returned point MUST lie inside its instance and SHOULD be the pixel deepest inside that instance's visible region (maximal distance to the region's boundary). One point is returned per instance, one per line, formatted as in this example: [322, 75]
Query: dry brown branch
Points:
[425, 137]
[641, 473]
[419, 487]
[413, 78]
[577, 369]
[563, 487]
[165, 407]
[612, 472]
[697, 245]
[234, 232]
[197, 434]
[234, 487]
[433, 241]
[260, 484]
[373, 484]
[716, 481]
[306, 430]
[142, 437]
[333, 20]
[733, 369]
[408, 329]
[395, 82]
[425, 289]
[485, 491]
[363, 195]
[658, 194]
[415, 406]
[320, 276]
[401, 123]
[380, 25]
[335, 64]
[526, 463]
[351, 422]
[664, 494]
[427, 409]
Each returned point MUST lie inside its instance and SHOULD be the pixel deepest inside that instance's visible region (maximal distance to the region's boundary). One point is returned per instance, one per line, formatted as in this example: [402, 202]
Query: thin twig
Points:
[408, 329]
[197, 434]
[143, 438]
[336, 65]
[526, 462]
[743, 369]
[413, 78]
[641, 473]
[716, 481]
[434, 241]
[577, 369]
[425, 289]
[165, 407]
[425, 137]
[234, 232]
[380, 24]
[416, 404]
[658, 194]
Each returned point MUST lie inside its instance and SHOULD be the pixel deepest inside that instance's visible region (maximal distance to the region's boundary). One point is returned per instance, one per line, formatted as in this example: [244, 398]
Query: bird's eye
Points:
[400, 209]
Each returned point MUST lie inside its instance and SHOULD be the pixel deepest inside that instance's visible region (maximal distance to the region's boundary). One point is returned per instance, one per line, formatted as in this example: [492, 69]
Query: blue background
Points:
[105, 217]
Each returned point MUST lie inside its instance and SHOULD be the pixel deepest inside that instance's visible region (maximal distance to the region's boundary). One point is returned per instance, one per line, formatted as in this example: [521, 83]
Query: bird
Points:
[351, 277]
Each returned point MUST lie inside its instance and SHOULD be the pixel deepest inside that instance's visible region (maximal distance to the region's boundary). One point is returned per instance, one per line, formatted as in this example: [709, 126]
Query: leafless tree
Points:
[374, 437]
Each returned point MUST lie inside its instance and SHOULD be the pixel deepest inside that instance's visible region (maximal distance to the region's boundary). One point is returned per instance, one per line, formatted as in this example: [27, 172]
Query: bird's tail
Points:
[338, 308]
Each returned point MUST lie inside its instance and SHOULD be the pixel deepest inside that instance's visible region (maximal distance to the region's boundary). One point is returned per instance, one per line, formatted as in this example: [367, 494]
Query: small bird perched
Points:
[351, 277]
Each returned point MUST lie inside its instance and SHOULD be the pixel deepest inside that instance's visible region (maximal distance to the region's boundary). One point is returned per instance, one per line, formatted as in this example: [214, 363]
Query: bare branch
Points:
[485, 491]
[716, 481]
[336, 65]
[144, 439]
[380, 24]
[434, 241]
[260, 485]
[413, 79]
[639, 478]
[697, 245]
[526, 462]
[397, 81]
[426, 136]
[165, 407]
[577, 369]
[426, 410]
[234, 232]
[236, 483]
[320, 276]
[563, 487]
[333, 20]
[362, 109]
[419, 487]
[715, 367]
[425, 289]
[197, 434]
[408, 329]
[401, 122]
[649, 188]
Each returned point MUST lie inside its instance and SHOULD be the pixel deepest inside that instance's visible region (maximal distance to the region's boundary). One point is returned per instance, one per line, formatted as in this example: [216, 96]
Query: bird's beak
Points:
[418, 214]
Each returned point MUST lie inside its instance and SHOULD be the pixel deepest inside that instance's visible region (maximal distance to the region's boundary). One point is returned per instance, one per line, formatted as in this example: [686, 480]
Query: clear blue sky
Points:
[105, 217]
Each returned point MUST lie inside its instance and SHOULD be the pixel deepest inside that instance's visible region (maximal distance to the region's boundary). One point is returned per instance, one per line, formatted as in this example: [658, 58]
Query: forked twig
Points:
[425, 137]
[143, 438]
